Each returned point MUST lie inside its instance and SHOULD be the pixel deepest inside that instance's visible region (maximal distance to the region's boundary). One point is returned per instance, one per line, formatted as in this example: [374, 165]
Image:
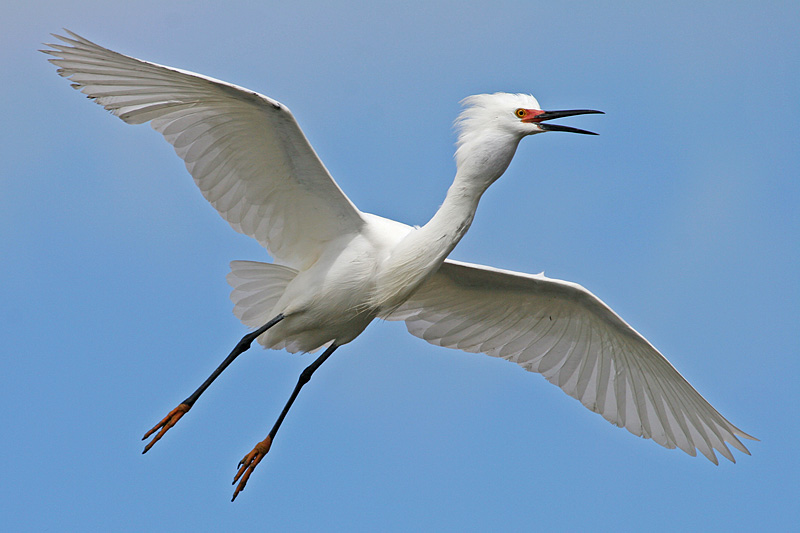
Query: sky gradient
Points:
[682, 215]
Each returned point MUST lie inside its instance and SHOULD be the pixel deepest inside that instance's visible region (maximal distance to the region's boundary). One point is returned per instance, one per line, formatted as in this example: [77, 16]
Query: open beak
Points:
[538, 117]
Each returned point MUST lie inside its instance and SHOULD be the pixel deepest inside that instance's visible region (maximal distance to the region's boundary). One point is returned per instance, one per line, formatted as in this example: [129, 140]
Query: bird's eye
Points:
[520, 112]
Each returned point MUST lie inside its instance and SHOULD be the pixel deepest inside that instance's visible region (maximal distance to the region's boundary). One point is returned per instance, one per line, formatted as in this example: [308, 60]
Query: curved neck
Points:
[480, 161]
[420, 253]
[454, 217]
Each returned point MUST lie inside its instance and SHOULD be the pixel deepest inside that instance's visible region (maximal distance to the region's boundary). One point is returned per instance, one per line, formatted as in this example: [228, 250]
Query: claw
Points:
[167, 422]
[249, 463]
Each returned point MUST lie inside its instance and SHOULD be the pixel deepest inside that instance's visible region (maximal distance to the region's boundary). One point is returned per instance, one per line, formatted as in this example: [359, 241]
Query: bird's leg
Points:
[251, 460]
[173, 416]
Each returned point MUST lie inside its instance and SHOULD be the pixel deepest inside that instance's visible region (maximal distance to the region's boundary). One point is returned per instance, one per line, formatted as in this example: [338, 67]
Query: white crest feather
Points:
[482, 111]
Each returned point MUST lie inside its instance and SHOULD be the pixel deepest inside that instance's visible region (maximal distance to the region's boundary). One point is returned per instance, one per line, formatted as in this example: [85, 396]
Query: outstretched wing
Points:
[245, 151]
[573, 339]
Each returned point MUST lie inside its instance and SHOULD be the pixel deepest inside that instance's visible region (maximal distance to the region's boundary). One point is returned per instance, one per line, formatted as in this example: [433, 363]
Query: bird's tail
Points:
[257, 287]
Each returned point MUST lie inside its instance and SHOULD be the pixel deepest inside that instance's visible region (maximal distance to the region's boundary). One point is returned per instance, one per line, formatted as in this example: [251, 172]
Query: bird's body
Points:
[336, 268]
[370, 273]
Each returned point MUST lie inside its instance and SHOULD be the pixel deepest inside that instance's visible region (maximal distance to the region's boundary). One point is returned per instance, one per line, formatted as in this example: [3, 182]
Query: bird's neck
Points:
[454, 217]
[480, 161]
[423, 250]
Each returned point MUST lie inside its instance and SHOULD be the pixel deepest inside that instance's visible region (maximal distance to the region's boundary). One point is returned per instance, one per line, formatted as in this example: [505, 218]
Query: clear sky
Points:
[682, 215]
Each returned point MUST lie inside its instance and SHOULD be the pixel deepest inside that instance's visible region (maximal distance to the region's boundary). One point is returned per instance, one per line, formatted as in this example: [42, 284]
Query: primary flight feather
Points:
[336, 268]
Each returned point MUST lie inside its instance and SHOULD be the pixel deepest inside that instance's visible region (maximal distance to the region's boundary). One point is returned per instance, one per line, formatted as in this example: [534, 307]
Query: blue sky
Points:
[682, 215]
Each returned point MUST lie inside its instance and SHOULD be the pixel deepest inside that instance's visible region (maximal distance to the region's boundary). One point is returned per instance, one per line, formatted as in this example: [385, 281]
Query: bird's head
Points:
[516, 114]
[491, 126]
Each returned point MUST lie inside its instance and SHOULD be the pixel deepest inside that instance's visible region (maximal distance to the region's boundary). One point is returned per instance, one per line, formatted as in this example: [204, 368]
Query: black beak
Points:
[550, 115]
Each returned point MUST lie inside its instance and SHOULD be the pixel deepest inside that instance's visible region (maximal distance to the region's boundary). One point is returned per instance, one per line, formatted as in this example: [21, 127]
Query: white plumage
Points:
[336, 268]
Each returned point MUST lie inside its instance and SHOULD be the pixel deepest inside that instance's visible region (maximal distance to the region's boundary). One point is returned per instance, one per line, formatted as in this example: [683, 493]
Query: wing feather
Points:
[244, 150]
[562, 331]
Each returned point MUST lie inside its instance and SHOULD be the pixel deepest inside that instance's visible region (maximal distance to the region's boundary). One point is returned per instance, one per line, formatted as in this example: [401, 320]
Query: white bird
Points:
[336, 268]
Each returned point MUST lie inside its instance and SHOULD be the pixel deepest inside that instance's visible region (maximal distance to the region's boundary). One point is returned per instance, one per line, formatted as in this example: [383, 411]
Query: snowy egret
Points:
[336, 268]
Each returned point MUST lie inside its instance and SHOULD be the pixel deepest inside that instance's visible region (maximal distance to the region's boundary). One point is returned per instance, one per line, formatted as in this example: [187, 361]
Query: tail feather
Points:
[257, 287]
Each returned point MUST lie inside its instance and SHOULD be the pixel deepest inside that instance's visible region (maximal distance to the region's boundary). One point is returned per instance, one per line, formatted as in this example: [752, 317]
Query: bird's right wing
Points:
[245, 151]
[564, 332]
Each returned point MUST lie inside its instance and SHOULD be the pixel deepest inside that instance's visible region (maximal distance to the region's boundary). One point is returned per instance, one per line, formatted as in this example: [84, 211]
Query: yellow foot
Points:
[249, 463]
[170, 420]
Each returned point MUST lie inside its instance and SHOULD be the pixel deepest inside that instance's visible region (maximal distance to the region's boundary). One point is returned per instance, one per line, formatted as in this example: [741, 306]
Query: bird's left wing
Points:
[564, 332]
[245, 151]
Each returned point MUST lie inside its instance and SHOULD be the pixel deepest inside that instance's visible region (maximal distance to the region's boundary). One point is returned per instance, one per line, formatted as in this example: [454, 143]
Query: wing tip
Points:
[746, 436]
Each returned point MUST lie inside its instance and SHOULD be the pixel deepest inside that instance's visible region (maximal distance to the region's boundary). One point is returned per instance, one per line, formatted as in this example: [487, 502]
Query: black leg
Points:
[172, 418]
[251, 460]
